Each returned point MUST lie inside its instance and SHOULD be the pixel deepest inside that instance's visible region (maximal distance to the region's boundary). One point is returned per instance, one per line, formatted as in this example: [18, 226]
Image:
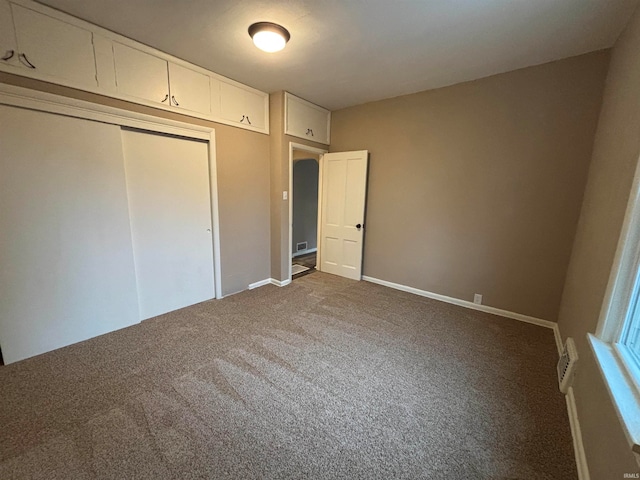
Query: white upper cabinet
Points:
[51, 47]
[189, 89]
[8, 46]
[141, 75]
[243, 106]
[305, 120]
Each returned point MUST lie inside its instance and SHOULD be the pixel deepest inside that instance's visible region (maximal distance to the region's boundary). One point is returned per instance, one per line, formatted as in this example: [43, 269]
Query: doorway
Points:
[304, 190]
[304, 198]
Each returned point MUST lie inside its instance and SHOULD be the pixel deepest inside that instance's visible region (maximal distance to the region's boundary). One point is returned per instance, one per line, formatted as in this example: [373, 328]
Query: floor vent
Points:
[301, 246]
[567, 365]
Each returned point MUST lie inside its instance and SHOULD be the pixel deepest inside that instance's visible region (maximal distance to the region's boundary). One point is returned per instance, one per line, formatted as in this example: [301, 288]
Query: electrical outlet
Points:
[285, 195]
[477, 299]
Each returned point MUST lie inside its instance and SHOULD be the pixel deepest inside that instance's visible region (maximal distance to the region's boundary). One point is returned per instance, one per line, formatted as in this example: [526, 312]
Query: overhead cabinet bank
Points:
[41, 43]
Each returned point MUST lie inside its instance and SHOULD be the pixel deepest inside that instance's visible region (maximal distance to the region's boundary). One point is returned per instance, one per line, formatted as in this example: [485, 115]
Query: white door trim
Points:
[317, 151]
[47, 102]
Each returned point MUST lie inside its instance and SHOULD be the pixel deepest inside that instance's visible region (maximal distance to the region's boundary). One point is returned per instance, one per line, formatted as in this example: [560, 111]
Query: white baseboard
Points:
[576, 433]
[558, 337]
[266, 281]
[269, 281]
[304, 252]
[467, 304]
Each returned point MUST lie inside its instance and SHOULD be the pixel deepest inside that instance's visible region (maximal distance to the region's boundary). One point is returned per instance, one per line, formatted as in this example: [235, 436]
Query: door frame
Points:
[47, 102]
[316, 151]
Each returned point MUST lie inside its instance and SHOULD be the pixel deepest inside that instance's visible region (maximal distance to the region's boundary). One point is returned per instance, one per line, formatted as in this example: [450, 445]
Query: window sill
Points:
[622, 389]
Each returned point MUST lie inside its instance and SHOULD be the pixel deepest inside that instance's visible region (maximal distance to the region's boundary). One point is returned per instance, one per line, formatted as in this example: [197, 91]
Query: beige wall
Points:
[476, 188]
[280, 248]
[615, 156]
[243, 188]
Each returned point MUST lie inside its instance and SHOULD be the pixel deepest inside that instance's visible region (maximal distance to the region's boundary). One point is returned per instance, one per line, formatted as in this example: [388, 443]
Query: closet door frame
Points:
[46, 102]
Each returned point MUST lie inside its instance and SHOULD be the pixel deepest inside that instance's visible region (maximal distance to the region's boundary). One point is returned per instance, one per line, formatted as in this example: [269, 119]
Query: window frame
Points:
[618, 365]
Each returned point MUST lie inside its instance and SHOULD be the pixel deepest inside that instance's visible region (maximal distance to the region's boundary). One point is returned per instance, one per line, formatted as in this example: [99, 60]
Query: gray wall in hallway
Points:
[305, 203]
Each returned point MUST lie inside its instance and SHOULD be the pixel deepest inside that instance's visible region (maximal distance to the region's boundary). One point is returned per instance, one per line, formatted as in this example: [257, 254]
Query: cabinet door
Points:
[243, 106]
[232, 103]
[254, 109]
[306, 120]
[214, 83]
[8, 47]
[51, 47]
[190, 90]
[140, 74]
[105, 69]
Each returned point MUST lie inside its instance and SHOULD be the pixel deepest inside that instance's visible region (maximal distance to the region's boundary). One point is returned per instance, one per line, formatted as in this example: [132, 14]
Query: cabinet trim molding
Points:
[71, 107]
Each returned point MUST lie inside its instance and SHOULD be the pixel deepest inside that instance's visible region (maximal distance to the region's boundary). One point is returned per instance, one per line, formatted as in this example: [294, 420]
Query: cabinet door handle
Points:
[25, 61]
[309, 132]
[248, 120]
[242, 119]
[166, 97]
[175, 102]
[9, 55]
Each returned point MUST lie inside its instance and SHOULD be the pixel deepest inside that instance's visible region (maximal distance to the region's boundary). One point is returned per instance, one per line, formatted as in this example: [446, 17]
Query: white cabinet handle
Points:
[9, 55]
[166, 97]
[25, 61]
[175, 102]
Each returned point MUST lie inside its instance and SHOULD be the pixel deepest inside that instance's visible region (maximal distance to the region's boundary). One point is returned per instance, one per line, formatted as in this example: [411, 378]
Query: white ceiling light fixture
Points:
[269, 37]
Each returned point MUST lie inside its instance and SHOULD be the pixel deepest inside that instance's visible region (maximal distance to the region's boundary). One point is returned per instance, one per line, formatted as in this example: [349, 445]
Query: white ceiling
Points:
[348, 52]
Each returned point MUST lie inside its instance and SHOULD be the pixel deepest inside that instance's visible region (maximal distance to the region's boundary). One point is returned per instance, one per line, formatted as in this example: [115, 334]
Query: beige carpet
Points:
[325, 378]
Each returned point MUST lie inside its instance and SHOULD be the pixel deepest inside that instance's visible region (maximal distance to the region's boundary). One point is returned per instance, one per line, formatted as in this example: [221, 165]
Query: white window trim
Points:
[620, 372]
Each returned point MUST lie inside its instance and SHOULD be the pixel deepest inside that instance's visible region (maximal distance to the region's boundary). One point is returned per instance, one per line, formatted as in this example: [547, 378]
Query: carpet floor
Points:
[326, 378]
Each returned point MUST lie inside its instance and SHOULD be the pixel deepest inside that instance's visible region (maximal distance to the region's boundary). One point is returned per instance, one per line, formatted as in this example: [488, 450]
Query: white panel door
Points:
[52, 47]
[170, 208]
[344, 189]
[190, 90]
[140, 74]
[66, 259]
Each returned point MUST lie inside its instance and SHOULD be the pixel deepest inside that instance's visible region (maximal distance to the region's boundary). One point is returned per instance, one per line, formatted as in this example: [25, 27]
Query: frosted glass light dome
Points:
[269, 37]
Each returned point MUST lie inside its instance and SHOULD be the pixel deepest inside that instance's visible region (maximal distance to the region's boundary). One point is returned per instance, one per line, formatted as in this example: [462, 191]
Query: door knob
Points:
[358, 226]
